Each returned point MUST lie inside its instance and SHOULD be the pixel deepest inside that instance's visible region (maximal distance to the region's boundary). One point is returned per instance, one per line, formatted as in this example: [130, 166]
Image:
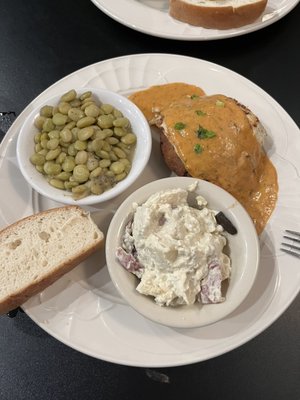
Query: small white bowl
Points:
[243, 247]
[140, 126]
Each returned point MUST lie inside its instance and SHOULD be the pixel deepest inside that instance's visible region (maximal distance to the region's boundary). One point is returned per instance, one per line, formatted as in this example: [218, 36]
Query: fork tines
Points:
[291, 247]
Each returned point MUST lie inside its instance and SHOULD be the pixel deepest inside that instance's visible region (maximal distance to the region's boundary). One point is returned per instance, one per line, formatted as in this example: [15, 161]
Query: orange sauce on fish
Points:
[151, 101]
[214, 139]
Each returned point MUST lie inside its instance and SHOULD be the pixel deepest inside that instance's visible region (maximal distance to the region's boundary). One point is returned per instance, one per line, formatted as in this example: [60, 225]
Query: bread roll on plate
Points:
[39, 249]
[217, 14]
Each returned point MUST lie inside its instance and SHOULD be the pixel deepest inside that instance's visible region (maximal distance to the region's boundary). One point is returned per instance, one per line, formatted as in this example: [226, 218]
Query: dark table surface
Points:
[41, 42]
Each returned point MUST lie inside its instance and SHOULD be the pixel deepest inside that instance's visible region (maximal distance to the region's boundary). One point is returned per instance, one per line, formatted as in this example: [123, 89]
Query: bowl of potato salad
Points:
[84, 146]
[182, 252]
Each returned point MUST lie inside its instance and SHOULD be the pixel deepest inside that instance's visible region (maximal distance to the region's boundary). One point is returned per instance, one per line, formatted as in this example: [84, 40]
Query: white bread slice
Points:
[217, 14]
[39, 249]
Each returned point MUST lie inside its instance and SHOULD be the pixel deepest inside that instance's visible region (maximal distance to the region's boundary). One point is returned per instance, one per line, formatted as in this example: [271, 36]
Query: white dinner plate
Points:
[152, 17]
[82, 309]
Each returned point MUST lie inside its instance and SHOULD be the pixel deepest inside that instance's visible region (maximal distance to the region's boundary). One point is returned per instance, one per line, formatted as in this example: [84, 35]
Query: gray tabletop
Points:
[40, 43]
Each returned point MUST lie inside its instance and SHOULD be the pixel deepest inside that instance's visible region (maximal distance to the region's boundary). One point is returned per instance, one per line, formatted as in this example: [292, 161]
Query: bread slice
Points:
[217, 14]
[39, 249]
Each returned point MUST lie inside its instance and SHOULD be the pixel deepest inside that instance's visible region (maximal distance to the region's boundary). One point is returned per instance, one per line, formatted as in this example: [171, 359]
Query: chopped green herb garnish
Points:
[200, 113]
[220, 103]
[179, 125]
[194, 96]
[203, 133]
[198, 148]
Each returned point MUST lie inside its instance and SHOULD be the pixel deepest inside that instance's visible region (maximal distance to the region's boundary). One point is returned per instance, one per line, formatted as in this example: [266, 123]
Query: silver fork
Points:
[293, 240]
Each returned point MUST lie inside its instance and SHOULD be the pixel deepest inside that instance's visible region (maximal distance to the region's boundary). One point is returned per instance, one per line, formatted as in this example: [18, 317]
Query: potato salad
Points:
[176, 250]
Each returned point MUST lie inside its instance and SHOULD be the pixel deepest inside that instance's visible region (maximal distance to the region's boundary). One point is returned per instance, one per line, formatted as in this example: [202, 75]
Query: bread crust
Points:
[17, 298]
[222, 17]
